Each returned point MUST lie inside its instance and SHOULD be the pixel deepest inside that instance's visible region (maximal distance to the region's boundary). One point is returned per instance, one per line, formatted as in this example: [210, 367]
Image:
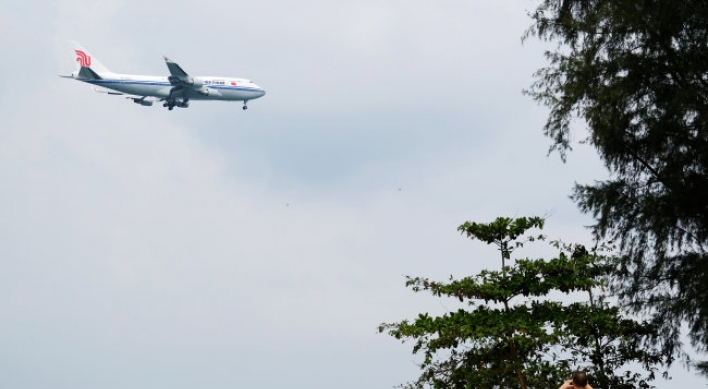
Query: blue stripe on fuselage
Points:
[157, 83]
[123, 82]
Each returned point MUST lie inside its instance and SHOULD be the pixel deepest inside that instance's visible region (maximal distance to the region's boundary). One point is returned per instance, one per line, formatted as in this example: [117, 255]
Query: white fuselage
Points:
[204, 88]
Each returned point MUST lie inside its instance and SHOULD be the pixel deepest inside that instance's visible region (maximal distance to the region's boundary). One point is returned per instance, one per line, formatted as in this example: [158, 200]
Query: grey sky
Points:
[212, 247]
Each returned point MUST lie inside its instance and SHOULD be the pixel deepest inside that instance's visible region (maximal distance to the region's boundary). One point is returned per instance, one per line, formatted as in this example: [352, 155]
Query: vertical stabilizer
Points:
[84, 59]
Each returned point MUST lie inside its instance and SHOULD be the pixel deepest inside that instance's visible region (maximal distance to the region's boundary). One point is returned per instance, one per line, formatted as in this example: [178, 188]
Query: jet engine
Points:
[143, 102]
[206, 91]
[196, 82]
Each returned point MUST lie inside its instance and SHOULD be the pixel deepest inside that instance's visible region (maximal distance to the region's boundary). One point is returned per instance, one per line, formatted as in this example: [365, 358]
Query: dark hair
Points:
[580, 378]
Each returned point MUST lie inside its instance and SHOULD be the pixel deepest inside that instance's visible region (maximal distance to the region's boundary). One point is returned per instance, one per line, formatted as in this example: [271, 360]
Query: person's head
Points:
[580, 379]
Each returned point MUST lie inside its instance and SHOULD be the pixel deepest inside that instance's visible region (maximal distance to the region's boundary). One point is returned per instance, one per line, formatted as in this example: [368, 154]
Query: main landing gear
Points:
[172, 103]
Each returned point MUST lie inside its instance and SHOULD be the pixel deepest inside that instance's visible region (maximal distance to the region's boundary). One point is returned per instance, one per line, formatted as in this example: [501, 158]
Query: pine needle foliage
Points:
[636, 72]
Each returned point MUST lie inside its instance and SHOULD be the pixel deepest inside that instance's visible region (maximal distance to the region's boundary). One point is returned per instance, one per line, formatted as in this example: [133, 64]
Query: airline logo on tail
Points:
[82, 58]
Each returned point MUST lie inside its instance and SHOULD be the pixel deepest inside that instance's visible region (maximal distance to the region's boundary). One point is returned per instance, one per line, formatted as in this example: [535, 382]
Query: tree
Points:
[515, 335]
[636, 71]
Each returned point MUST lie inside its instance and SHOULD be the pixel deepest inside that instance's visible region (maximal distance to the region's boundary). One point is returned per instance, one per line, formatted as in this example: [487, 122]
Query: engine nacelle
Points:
[206, 91]
[143, 102]
[196, 82]
[176, 80]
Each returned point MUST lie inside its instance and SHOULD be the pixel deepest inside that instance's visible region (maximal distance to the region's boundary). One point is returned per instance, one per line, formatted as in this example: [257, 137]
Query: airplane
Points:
[175, 90]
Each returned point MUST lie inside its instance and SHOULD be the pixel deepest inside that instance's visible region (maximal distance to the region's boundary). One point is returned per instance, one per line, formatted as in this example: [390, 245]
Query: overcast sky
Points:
[218, 248]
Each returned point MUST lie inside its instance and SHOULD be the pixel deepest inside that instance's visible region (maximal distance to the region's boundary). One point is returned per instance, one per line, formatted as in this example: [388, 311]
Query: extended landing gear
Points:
[172, 103]
[245, 107]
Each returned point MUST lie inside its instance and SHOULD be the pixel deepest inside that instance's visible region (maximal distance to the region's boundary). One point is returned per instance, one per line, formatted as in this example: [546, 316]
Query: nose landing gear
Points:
[245, 107]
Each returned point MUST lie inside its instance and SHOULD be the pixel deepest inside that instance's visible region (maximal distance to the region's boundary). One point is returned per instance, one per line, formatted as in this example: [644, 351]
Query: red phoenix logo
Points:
[82, 58]
[233, 83]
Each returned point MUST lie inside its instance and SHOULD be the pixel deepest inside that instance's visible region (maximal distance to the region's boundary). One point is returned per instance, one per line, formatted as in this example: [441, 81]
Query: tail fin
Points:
[84, 59]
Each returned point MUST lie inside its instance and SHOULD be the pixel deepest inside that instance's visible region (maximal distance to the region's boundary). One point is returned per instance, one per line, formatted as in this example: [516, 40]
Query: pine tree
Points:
[636, 71]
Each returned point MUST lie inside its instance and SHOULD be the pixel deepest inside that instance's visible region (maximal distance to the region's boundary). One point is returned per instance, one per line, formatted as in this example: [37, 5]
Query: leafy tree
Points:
[603, 341]
[515, 335]
[636, 71]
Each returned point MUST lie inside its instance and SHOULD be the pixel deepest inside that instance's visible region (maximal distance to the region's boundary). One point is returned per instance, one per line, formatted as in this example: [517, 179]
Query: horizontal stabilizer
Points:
[85, 73]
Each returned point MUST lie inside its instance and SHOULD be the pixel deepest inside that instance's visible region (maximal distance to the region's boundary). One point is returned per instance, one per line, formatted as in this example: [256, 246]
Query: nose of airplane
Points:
[261, 92]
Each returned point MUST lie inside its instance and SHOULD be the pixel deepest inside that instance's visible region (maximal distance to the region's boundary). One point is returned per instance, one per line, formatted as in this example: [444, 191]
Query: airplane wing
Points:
[99, 89]
[183, 85]
[176, 71]
[142, 100]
